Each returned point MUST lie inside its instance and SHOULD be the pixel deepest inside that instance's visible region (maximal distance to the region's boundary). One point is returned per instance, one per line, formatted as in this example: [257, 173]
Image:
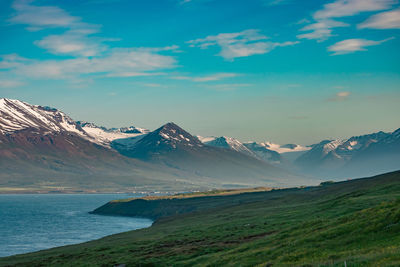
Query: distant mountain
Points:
[288, 148]
[104, 136]
[357, 156]
[169, 137]
[253, 149]
[230, 143]
[263, 153]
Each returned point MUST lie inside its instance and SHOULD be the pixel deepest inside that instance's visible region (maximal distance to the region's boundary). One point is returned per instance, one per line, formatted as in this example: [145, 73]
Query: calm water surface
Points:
[35, 222]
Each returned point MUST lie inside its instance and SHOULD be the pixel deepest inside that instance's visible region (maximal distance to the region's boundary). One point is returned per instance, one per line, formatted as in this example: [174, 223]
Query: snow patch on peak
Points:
[285, 148]
[229, 143]
[104, 136]
[332, 146]
[16, 115]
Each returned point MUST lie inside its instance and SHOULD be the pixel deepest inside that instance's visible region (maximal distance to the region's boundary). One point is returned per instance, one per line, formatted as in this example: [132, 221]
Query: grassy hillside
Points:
[355, 221]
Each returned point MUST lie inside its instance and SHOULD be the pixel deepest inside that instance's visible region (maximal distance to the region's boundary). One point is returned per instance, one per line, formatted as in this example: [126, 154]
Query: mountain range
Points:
[42, 148]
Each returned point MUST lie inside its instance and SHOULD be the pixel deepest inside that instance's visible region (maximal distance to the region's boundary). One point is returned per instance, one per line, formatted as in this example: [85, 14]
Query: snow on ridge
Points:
[205, 139]
[230, 143]
[16, 115]
[282, 149]
[105, 137]
[235, 143]
[332, 146]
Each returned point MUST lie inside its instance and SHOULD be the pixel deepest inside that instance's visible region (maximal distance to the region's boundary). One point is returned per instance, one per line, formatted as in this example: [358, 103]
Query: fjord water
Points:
[39, 221]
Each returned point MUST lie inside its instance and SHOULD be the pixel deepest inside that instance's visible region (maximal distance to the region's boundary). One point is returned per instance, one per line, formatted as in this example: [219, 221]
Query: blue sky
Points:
[280, 70]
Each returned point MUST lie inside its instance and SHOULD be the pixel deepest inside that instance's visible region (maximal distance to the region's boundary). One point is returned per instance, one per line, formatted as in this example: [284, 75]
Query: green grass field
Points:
[357, 222]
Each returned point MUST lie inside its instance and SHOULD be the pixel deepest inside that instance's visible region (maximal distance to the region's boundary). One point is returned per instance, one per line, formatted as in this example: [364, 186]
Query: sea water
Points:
[34, 222]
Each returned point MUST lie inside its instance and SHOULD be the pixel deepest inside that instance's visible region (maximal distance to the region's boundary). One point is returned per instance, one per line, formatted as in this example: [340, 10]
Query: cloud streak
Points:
[240, 44]
[40, 17]
[384, 20]
[353, 45]
[340, 96]
[10, 83]
[117, 63]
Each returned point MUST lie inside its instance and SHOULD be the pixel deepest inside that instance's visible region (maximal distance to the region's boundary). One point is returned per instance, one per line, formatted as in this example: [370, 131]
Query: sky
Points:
[286, 71]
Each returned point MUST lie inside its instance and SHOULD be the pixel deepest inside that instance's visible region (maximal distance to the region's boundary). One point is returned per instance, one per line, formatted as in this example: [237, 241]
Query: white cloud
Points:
[340, 96]
[117, 63]
[209, 78]
[384, 20]
[353, 45]
[10, 83]
[343, 94]
[41, 16]
[72, 43]
[321, 29]
[344, 8]
[75, 41]
[240, 44]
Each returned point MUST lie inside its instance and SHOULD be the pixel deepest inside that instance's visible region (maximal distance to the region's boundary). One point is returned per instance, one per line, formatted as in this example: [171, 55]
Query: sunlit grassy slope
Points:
[355, 221]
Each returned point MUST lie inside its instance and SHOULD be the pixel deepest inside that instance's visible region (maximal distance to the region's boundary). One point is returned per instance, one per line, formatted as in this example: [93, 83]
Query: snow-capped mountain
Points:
[18, 116]
[266, 151]
[285, 148]
[263, 153]
[166, 138]
[104, 136]
[229, 143]
[358, 155]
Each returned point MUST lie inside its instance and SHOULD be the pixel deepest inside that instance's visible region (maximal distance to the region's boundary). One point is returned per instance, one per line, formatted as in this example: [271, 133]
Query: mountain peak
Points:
[169, 126]
[174, 135]
[230, 143]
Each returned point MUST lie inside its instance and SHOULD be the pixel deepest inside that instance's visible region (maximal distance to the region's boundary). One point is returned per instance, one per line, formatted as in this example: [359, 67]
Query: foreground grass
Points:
[356, 221]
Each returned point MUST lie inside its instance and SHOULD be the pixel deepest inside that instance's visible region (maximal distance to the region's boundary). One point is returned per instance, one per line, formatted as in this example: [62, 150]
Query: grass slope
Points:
[355, 221]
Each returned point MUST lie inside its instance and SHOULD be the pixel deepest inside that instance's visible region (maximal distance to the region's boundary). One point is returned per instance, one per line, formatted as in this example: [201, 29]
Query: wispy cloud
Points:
[383, 20]
[240, 44]
[320, 30]
[39, 17]
[117, 63]
[325, 19]
[10, 83]
[209, 78]
[72, 43]
[353, 45]
[340, 96]
[344, 8]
